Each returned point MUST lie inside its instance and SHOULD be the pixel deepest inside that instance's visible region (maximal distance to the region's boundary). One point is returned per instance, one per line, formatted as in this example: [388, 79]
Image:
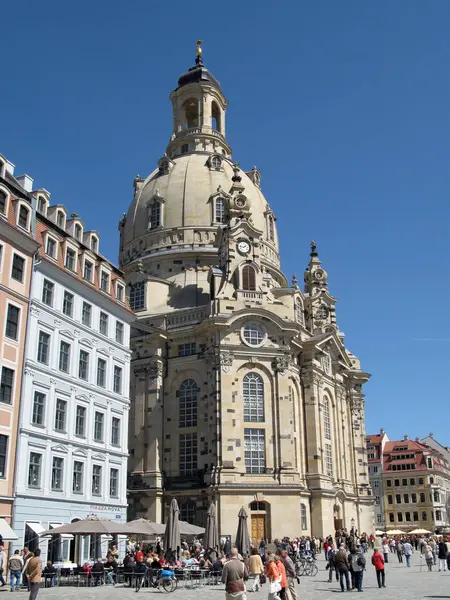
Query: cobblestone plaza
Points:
[415, 583]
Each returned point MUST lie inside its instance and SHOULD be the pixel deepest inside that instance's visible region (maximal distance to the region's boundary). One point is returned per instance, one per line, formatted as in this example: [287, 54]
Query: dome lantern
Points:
[199, 108]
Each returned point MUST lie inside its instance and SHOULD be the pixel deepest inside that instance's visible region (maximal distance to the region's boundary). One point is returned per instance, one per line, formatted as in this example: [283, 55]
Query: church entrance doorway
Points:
[259, 522]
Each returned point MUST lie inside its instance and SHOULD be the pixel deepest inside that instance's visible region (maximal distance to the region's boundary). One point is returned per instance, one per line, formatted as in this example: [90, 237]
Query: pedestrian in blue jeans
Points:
[15, 566]
[407, 551]
[358, 566]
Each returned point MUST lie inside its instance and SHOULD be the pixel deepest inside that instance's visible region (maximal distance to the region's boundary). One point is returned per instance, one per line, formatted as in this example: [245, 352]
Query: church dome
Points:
[188, 191]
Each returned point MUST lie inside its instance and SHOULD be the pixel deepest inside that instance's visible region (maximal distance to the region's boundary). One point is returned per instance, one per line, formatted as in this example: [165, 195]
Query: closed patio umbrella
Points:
[211, 537]
[172, 537]
[242, 535]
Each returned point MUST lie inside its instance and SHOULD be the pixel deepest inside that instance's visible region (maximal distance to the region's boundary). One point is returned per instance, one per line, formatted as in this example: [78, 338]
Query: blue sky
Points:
[344, 108]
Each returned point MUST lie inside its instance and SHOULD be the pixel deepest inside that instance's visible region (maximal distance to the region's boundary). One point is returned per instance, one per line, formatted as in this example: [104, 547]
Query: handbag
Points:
[274, 587]
[262, 579]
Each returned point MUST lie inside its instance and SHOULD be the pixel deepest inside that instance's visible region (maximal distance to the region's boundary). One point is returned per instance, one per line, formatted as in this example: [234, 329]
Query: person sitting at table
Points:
[111, 570]
[155, 564]
[98, 571]
[49, 573]
[188, 561]
[85, 570]
[128, 567]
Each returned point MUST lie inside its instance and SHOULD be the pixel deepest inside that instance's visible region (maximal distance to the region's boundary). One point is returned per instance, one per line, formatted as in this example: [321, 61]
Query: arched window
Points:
[41, 204]
[3, 198]
[24, 214]
[216, 117]
[137, 295]
[154, 215]
[253, 390]
[304, 519]
[271, 229]
[191, 113]
[299, 316]
[78, 231]
[187, 395]
[248, 278]
[219, 210]
[60, 219]
[326, 419]
[216, 162]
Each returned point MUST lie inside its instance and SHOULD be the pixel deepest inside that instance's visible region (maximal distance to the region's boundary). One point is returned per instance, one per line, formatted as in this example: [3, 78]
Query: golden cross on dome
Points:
[199, 59]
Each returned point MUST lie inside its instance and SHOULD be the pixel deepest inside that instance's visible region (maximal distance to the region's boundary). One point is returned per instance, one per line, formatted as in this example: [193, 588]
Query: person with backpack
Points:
[358, 566]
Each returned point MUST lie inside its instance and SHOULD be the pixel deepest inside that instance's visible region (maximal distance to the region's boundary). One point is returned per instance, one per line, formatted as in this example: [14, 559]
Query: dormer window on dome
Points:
[164, 165]
[215, 162]
[155, 212]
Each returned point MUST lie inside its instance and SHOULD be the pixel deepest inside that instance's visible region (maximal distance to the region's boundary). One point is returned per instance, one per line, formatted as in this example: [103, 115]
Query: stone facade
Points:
[242, 390]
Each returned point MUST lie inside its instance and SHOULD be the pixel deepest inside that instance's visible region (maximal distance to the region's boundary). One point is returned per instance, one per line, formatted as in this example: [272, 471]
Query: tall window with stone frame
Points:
[219, 212]
[188, 511]
[188, 454]
[303, 517]
[270, 228]
[329, 460]
[253, 392]
[154, 214]
[137, 295]
[255, 450]
[326, 419]
[299, 314]
[187, 397]
[248, 278]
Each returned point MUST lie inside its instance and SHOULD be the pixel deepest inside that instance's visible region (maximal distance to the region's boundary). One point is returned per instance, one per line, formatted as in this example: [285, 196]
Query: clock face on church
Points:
[243, 247]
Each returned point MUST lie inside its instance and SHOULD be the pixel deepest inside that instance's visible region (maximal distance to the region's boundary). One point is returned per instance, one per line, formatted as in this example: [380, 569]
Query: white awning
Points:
[6, 532]
[36, 527]
[64, 536]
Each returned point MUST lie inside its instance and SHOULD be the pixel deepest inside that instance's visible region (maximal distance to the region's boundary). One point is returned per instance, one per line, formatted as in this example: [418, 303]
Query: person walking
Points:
[255, 569]
[290, 594]
[274, 577]
[234, 575]
[428, 553]
[15, 566]
[407, 551]
[342, 567]
[34, 572]
[399, 549]
[331, 563]
[282, 569]
[378, 563]
[386, 551]
[358, 565]
[442, 554]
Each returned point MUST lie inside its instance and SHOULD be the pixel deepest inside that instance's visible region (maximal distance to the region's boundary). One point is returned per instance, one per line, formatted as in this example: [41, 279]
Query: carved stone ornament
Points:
[226, 360]
[76, 332]
[155, 369]
[357, 405]
[29, 372]
[35, 311]
[57, 323]
[53, 381]
[280, 364]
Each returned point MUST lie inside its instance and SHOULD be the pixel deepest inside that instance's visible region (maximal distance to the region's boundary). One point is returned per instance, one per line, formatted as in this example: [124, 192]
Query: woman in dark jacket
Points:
[442, 555]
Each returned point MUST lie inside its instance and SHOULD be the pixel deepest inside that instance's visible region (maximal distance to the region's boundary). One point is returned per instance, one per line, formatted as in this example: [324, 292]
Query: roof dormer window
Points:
[2, 168]
[94, 243]
[61, 219]
[23, 218]
[3, 202]
[42, 205]
[78, 231]
[51, 246]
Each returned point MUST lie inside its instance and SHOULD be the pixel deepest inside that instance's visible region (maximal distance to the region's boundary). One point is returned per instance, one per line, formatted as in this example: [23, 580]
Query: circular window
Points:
[254, 334]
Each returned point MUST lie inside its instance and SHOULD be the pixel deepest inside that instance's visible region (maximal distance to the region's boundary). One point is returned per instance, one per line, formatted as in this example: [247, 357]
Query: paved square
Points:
[415, 583]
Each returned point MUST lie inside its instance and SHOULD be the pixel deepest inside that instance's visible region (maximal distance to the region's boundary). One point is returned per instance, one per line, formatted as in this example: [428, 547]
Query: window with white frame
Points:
[48, 289]
[61, 219]
[377, 500]
[86, 314]
[99, 419]
[219, 212]
[101, 372]
[187, 395]
[38, 413]
[23, 218]
[114, 483]
[6, 385]
[77, 479]
[60, 415]
[18, 266]
[88, 270]
[78, 232]
[80, 421]
[96, 480]
[68, 303]
[64, 357]
[120, 293]
[83, 365]
[103, 323]
[253, 392]
[57, 473]
[254, 334]
[94, 243]
[326, 419]
[41, 205]
[115, 431]
[3, 202]
[34, 470]
[255, 450]
[376, 483]
[137, 295]
[43, 353]
[117, 383]
[154, 214]
[104, 282]
[50, 247]
[119, 332]
[328, 460]
[71, 259]
[3, 454]
[379, 519]
[188, 454]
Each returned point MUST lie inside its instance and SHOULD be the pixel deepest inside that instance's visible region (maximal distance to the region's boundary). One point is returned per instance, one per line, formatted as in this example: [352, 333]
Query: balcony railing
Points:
[182, 318]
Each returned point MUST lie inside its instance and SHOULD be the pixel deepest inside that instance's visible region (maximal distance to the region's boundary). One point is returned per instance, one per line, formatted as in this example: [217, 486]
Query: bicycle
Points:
[306, 565]
[157, 578]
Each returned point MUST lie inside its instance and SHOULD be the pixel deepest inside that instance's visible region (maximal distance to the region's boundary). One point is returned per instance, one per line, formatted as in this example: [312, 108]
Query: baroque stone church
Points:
[242, 390]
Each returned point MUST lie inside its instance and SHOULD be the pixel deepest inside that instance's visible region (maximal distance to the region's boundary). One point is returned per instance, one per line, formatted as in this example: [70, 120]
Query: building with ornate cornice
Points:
[72, 450]
[242, 390]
